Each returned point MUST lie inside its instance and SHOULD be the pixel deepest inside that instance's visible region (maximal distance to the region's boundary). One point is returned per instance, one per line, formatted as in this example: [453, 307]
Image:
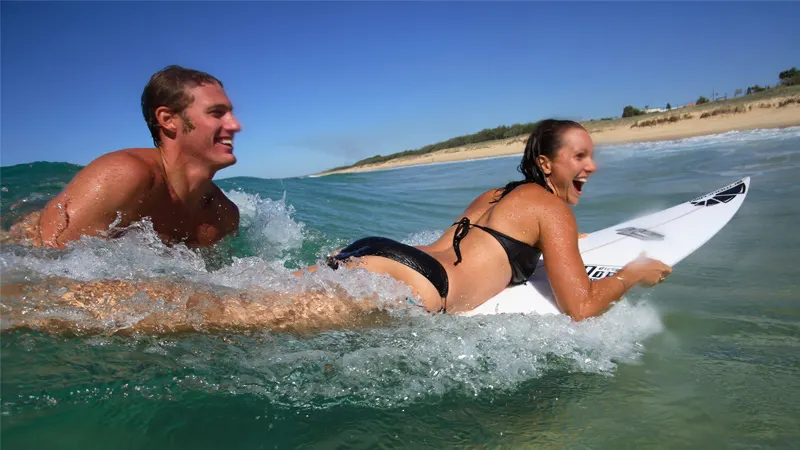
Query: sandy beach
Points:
[711, 118]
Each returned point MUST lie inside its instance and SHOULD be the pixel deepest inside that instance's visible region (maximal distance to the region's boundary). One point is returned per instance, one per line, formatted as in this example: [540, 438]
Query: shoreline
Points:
[718, 117]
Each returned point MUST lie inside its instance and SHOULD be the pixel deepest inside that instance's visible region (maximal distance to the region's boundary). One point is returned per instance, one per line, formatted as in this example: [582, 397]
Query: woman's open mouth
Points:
[578, 184]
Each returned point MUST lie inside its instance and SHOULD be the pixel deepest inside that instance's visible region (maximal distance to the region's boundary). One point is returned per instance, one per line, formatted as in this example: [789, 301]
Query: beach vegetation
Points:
[488, 134]
[669, 106]
[631, 111]
[701, 100]
[790, 77]
[724, 110]
[661, 120]
[755, 89]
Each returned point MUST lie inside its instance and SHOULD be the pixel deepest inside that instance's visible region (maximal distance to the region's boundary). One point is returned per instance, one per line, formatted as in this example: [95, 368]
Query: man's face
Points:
[209, 126]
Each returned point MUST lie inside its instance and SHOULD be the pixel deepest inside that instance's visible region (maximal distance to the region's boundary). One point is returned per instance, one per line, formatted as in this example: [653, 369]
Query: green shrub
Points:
[630, 111]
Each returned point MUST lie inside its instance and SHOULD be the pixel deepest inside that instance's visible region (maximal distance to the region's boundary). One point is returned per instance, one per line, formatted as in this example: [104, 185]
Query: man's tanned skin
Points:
[192, 124]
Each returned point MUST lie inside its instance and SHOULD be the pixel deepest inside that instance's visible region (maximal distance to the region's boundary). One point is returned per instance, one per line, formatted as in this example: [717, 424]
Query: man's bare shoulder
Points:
[113, 185]
[220, 198]
[137, 169]
[225, 209]
[138, 160]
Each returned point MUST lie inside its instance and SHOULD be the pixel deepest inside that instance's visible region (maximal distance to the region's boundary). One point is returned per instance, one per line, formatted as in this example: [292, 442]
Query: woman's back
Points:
[492, 229]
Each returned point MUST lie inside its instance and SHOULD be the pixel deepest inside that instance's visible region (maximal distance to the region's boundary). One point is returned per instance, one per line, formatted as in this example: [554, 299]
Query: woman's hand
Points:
[646, 271]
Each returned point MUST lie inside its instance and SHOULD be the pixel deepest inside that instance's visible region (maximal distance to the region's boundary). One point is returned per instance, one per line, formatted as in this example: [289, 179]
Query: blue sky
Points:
[318, 85]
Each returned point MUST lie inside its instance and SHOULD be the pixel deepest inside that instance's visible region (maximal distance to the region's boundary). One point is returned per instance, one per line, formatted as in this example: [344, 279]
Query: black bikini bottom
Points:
[412, 257]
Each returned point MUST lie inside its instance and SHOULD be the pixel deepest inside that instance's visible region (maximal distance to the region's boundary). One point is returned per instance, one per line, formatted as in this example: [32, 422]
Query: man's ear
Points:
[545, 164]
[167, 120]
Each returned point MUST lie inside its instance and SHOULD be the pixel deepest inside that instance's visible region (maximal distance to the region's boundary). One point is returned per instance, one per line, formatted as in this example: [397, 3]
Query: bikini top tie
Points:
[522, 257]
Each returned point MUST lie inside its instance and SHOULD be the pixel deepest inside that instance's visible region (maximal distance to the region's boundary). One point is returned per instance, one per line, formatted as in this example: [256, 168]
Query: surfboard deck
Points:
[669, 235]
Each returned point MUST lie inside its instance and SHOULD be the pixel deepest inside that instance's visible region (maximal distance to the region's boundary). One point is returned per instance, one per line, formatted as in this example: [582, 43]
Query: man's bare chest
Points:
[195, 226]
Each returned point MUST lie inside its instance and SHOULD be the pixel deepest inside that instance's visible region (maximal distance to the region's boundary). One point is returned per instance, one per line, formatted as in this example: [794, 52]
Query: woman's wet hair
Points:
[544, 140]
[168, 87]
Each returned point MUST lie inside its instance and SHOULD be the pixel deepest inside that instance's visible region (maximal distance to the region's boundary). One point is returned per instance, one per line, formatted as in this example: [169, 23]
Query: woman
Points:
[502, 234]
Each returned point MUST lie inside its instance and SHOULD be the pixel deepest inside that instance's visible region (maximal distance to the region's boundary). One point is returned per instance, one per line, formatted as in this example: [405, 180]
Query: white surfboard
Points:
[669, 235]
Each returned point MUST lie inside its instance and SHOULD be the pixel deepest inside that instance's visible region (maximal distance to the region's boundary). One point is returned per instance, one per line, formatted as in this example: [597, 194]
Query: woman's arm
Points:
[576, 294]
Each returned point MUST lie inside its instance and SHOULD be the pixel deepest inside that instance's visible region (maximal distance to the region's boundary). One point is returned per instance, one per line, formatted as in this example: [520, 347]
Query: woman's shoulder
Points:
[532, 195]
[490, 196]
[482, 203]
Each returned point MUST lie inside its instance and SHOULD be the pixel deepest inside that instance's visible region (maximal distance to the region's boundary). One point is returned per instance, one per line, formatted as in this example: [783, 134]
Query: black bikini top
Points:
[522, 257]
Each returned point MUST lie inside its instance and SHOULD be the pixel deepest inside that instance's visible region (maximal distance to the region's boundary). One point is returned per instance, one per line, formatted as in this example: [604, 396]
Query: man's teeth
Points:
[582, 180]
[226, 141]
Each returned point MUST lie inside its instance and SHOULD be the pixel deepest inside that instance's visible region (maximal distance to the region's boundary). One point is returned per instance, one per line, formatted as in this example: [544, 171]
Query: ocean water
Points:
[709, 359]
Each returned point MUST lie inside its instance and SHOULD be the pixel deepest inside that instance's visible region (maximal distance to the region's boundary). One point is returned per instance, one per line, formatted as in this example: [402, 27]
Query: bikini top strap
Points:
[461, 231]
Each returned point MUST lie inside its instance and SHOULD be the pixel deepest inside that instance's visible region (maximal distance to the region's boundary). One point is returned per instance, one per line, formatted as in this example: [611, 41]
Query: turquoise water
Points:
[710, 358]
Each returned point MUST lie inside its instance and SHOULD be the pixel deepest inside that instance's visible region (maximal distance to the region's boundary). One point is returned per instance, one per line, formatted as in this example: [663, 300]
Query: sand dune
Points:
[712, 118]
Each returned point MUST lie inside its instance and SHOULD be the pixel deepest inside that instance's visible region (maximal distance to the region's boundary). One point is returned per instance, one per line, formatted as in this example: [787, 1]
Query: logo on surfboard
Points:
[599, 272]
[723, 195]
[642, 234]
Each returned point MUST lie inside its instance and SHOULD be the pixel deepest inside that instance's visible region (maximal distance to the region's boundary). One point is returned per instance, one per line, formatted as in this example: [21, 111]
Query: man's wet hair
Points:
[168, 87]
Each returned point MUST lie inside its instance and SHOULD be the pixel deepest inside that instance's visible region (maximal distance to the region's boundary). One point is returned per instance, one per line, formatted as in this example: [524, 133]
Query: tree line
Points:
[485, 135]
[789, 77]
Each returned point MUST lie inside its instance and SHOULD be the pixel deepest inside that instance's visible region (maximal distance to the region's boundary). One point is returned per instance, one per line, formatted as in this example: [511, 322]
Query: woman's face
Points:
[572, 166]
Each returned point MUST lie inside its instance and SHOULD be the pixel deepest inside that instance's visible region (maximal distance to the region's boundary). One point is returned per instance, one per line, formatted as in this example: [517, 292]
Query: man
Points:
[192, 124]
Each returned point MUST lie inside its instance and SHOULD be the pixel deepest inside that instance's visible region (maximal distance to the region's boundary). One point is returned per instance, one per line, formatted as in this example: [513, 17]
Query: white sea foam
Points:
[137, 253]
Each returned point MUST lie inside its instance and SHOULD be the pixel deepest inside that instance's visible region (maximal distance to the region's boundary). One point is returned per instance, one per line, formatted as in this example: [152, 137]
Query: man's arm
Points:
[112, 184]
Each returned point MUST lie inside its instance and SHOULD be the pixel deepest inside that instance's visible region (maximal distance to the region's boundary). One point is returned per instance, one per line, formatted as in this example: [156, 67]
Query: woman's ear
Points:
[545, 164]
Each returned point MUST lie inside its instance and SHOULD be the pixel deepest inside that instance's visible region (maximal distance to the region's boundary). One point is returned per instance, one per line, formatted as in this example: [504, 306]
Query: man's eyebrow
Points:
[224, 106]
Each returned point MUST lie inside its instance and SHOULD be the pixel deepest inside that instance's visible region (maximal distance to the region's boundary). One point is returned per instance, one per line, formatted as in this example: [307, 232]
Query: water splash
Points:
[136, 253]
[267, 226]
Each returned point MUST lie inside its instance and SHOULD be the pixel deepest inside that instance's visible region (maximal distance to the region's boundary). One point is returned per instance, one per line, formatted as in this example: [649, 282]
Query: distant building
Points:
[653, 110]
